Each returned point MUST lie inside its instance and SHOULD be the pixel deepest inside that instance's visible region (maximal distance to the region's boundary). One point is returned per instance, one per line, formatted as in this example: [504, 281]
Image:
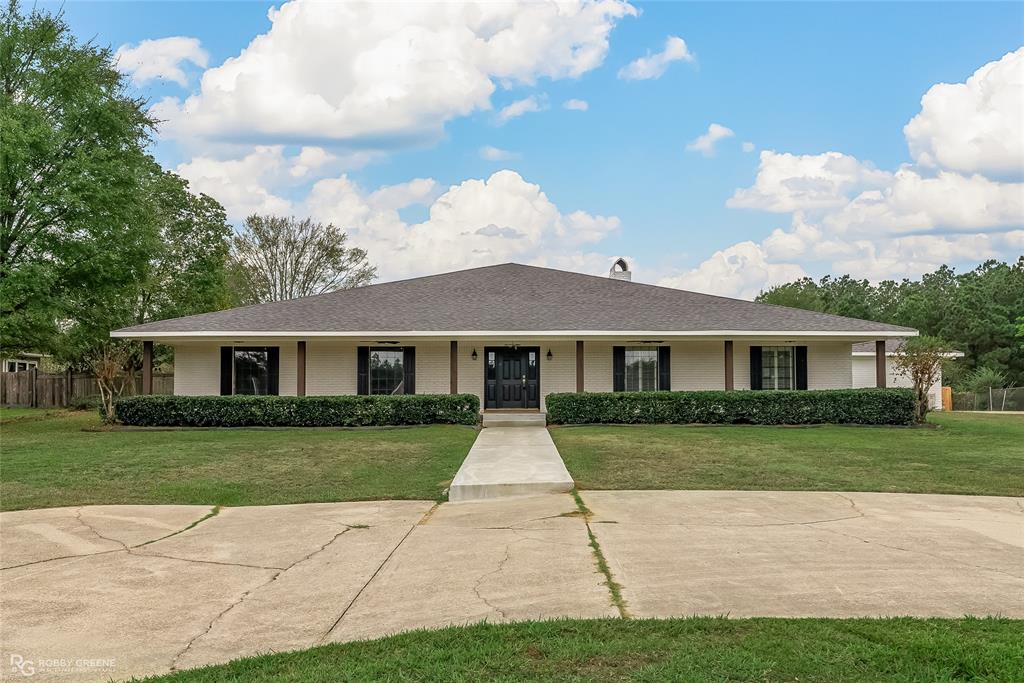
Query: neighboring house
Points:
[864, 365]
[24, 361]
[510, 334]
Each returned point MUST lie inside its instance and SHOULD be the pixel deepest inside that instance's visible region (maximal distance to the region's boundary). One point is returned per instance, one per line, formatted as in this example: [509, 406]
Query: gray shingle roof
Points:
[511, 297]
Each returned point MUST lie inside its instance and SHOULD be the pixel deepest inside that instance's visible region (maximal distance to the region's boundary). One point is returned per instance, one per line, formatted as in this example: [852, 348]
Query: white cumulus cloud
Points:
[576, 105]
[792, 182]
[476, 222]
[960, 203]
[975, 126]
[160, 59]
[705, 144]
[654, 65]
[387, 73]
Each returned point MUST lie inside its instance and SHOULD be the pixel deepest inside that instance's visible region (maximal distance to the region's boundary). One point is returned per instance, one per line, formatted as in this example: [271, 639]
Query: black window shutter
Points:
[664, 368]
[618, 368]
[755, 367]
[363, 370]
[409, 368]
[801, 367]
[273, 370]
[227, 357]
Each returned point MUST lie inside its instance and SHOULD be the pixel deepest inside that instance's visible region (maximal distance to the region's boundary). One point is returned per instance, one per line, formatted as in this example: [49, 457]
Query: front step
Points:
[514, 419]
[510, 462]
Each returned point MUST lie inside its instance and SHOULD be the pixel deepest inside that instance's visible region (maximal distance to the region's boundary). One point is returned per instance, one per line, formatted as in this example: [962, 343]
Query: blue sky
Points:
[801, 79]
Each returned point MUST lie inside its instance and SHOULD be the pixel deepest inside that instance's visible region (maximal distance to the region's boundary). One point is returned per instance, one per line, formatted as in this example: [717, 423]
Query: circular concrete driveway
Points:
[104, 592]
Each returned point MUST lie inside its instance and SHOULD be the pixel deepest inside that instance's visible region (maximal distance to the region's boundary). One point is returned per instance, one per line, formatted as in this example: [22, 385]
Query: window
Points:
[641, 368]
[252, 371]
[778, 367]
[387, 374]
[18, 366]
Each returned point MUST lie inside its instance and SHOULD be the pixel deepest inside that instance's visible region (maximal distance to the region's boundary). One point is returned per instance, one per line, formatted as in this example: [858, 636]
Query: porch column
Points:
[300, 368]
[579, 366]
[728, 365]
[147, 367]
[880, 364]
[454, 365]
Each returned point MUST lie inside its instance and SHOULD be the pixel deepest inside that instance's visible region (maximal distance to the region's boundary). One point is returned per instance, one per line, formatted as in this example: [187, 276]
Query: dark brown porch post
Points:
[880, 364]
[728, 365]
[454, 386]
[300, 368]
[147, 367]
[579, 366]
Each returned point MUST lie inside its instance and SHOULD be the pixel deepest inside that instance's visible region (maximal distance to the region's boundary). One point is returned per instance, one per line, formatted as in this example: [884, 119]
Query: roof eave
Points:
[900, 333]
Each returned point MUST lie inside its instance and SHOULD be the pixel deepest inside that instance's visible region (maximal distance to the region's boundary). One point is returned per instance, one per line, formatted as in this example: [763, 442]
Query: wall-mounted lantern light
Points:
[474, 354]
[549, 354]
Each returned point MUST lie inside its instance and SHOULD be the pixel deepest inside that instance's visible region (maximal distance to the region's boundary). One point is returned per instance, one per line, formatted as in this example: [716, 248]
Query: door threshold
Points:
[511, 410]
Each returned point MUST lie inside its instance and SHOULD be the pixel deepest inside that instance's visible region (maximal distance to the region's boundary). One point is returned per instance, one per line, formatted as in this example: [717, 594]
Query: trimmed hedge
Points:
[833, 406]
[297, 411]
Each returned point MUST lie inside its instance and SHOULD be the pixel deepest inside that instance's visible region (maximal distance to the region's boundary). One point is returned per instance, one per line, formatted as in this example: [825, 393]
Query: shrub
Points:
[834, 406]
[296, 411]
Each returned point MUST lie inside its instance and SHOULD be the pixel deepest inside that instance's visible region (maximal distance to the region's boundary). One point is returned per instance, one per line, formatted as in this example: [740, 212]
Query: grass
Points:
[696, 650]
[47, 460]
[965, 454]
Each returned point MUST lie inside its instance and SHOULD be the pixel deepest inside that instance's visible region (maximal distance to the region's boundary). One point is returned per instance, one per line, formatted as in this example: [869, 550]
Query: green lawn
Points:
[47, 460]
[694, 650]
[966, 453]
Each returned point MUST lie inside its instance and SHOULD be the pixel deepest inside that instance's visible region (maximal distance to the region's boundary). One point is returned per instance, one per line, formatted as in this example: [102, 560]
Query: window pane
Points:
[387, 375]
[777, 367]
[641, 368]
[492, 372]
[252, 375]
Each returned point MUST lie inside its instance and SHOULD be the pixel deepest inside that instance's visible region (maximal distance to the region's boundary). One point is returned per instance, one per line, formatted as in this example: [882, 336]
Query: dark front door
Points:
[512, 377]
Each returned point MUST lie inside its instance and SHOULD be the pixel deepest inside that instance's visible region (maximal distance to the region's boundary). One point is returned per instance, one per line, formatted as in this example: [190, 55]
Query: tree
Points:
[183, 273]
[920, 359]
[72, 170]
[108, 364]
[976, 311]
[276, 258]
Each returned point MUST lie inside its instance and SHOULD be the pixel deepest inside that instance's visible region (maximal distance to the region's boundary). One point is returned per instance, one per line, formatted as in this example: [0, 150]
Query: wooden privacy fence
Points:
[34, 389]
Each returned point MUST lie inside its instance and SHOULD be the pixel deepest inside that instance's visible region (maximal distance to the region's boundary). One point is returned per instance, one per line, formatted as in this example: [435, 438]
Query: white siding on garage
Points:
[864, 376]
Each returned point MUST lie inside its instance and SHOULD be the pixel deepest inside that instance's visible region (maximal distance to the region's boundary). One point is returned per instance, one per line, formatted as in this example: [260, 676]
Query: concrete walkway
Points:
[510, 461]
[121, 591]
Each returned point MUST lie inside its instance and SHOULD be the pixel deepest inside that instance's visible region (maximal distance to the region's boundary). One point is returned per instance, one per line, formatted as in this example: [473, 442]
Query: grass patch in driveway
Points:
[696, 650]
[49, 461]
[966, 454]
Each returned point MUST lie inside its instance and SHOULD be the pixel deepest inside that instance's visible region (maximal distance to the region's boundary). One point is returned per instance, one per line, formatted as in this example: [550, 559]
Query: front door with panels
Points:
[512, 377]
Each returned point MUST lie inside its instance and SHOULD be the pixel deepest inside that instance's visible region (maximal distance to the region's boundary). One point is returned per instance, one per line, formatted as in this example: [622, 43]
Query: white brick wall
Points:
[698, 366]
[829, 364]
[197, 369]
[556, 375]
[331, 366]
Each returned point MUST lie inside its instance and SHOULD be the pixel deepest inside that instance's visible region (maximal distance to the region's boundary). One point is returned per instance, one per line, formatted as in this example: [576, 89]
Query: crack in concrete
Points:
[426, 516]
[90, 527]
[496, 570]
[222, 564]
[214, 511]
[277, 574]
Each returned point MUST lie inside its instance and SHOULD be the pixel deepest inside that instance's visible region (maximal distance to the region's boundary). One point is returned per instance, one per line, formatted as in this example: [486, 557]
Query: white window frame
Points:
[772, 382]
[625, 378]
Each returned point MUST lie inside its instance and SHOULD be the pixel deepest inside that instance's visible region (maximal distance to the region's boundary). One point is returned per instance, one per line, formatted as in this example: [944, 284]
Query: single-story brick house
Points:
[865, 361]
[511, 334]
